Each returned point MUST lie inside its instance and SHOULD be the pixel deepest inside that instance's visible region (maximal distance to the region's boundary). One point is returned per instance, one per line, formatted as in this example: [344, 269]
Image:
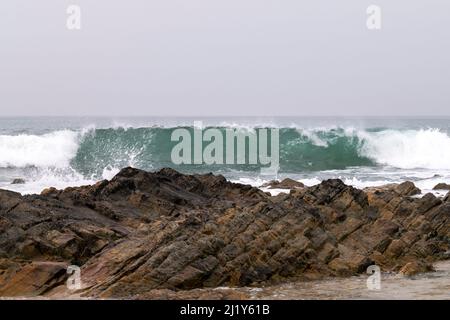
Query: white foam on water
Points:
[422, 156]
[39, 180]
[54, 149]
[109, 172]
[57, 178]
[425, 148]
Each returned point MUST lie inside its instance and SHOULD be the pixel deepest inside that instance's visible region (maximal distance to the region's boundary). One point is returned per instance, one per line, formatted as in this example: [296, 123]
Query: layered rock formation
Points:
[144, 235]
[284, 184]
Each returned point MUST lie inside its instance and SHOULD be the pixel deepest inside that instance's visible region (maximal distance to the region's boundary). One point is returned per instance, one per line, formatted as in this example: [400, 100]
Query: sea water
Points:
[73, 151]
[425, 286]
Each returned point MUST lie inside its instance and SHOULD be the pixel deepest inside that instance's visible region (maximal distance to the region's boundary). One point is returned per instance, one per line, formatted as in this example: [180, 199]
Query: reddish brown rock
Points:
[165, 234]
[407, 189]
[413, 268]
[284, 184]
[32, 279]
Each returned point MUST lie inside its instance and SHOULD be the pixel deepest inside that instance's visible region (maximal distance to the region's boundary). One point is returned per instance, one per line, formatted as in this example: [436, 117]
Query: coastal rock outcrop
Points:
[18, 181]
[284, 184]
[156, 234]
[442, 186]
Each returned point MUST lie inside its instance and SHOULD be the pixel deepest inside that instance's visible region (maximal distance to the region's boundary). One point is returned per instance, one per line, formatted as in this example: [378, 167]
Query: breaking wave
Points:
[96, 153]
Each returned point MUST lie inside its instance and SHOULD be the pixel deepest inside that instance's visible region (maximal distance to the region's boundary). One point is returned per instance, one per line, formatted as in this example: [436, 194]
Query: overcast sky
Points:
[225, 57]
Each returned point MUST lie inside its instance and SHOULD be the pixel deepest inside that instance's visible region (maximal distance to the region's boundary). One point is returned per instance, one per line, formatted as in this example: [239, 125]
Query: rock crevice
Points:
[146, 231]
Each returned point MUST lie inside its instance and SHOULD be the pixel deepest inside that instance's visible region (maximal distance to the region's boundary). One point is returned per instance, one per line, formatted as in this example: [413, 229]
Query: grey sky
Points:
[224, 57]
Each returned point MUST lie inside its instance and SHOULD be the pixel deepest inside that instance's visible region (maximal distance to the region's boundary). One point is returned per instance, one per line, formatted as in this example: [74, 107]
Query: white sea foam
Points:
[54, 149]
[411, 154]
[407, 149]
[37, 180]
[313, 136]
[426, 148]
[109, 172]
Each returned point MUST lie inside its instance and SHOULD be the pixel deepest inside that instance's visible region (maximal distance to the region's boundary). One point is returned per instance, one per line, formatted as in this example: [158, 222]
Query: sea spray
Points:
[360, 156]
[55, 149]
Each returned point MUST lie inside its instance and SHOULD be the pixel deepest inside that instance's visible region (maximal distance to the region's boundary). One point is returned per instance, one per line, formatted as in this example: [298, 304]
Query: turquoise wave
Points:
[150, 148]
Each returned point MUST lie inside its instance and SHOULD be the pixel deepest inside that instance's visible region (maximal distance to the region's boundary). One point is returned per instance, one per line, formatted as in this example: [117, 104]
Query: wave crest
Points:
[55, 149]
[97, 152]
[425, 148]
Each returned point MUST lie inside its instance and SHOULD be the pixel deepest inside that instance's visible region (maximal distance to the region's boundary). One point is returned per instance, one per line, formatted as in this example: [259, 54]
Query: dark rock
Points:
[447, 197]
[427, 202]
[165, 234]
[49, 191]
[18, 181]
[284, 184]
[407, 189]
[442, 186]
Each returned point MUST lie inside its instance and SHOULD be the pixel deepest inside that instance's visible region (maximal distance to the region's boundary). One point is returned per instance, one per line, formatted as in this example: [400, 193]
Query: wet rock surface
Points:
[442, 186]
[284, 184]
[156, 235]
[18, 181]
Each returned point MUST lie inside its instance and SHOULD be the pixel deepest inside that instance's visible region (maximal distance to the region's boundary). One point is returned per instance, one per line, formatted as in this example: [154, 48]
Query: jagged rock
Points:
[442, 186]
[165, 234]
[33, 279]
[447, 197]
[18, 181]
[284, 184]
[49, 191]
[427, 202]
[407, 188]
[413, 268]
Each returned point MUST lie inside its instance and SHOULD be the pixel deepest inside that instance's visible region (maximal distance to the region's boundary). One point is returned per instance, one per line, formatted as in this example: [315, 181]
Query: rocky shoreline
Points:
[165, 235]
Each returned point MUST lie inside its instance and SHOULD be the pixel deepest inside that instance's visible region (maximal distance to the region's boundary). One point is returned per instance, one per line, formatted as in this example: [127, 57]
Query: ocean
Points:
[72, 151]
